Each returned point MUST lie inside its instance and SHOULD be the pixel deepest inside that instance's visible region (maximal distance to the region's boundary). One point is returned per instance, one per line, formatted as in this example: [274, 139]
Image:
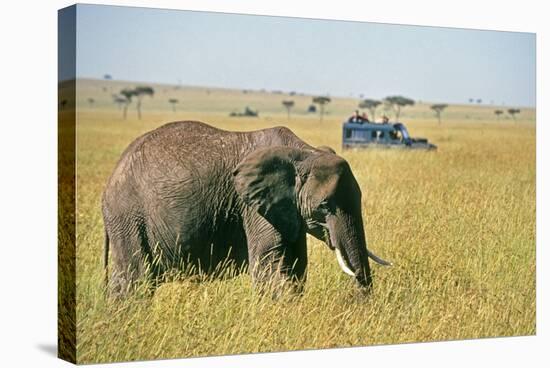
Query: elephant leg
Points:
[128, 264]
[297, 261]
[276, 263]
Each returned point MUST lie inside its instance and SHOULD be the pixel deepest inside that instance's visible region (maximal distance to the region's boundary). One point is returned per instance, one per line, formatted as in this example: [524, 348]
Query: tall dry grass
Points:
[458, 223]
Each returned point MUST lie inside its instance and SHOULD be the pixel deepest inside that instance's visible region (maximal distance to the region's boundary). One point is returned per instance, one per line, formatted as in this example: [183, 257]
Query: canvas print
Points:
[234, 184]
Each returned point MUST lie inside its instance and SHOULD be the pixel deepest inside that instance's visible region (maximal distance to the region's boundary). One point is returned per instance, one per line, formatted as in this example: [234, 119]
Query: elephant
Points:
[189, 194]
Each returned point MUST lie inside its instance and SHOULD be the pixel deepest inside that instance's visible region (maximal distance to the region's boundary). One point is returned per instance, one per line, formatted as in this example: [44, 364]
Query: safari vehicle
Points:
[378, 135]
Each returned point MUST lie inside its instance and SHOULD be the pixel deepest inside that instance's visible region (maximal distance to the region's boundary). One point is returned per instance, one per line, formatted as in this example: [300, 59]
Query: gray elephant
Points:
[188, 194]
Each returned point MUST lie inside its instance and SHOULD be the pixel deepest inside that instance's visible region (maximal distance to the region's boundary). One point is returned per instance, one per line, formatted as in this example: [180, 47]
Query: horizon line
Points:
[423, 102]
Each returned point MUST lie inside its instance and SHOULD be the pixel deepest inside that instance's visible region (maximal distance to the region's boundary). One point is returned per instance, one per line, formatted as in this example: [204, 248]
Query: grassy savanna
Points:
[458, 223]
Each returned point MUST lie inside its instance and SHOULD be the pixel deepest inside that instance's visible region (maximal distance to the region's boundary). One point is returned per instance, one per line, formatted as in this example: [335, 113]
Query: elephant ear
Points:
[266, 180]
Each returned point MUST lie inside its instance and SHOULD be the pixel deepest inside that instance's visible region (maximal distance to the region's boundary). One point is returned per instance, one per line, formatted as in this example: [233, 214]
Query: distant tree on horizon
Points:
[91, 102]
[370, 105]
[248, 112]
[288, 104]
[127, 93]
[107, 77]
[498, 113]
[513, 113]
[479, 100]
[438, 108]
[140, 92]
[173, 102]
[396, 103]
[321, 101]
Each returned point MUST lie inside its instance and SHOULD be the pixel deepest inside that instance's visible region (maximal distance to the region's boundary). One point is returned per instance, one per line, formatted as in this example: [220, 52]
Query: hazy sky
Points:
[311, 56]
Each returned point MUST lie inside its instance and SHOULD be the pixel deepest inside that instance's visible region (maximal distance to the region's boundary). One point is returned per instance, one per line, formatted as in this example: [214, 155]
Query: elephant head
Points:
[315, 188]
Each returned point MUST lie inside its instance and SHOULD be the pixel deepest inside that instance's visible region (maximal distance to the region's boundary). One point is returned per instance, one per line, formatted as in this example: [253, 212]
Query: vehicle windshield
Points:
[403, 130]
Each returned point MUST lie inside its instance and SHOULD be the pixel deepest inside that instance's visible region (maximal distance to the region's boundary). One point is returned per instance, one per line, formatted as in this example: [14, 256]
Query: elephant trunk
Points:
[348, 237]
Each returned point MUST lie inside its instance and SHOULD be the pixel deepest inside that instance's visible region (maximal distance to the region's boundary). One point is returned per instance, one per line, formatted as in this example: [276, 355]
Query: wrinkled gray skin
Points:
[188, 193]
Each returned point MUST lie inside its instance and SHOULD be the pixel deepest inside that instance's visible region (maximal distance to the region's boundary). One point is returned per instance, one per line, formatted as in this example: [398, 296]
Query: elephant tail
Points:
[377, 259]
[106, 258]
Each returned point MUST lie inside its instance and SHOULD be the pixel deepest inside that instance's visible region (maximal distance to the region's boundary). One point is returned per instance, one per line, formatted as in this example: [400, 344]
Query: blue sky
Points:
[304, 55]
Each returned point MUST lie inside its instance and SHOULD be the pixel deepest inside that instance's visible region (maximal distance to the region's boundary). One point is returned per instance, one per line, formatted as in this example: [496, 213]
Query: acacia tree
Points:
[288, 104]
[139, 92]
[127, 94]
[370, 105]
[396, 103]
[173, 102]
[513, 113]
[108, 77]
[498, 113]
[438, 108]
[321, 101]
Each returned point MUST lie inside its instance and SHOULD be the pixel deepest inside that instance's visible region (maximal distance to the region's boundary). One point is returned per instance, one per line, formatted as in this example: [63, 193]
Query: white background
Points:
[28, 169]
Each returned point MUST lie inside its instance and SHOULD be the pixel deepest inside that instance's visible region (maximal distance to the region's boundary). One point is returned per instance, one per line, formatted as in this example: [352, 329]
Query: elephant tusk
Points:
[378, 260]
[342, 263]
